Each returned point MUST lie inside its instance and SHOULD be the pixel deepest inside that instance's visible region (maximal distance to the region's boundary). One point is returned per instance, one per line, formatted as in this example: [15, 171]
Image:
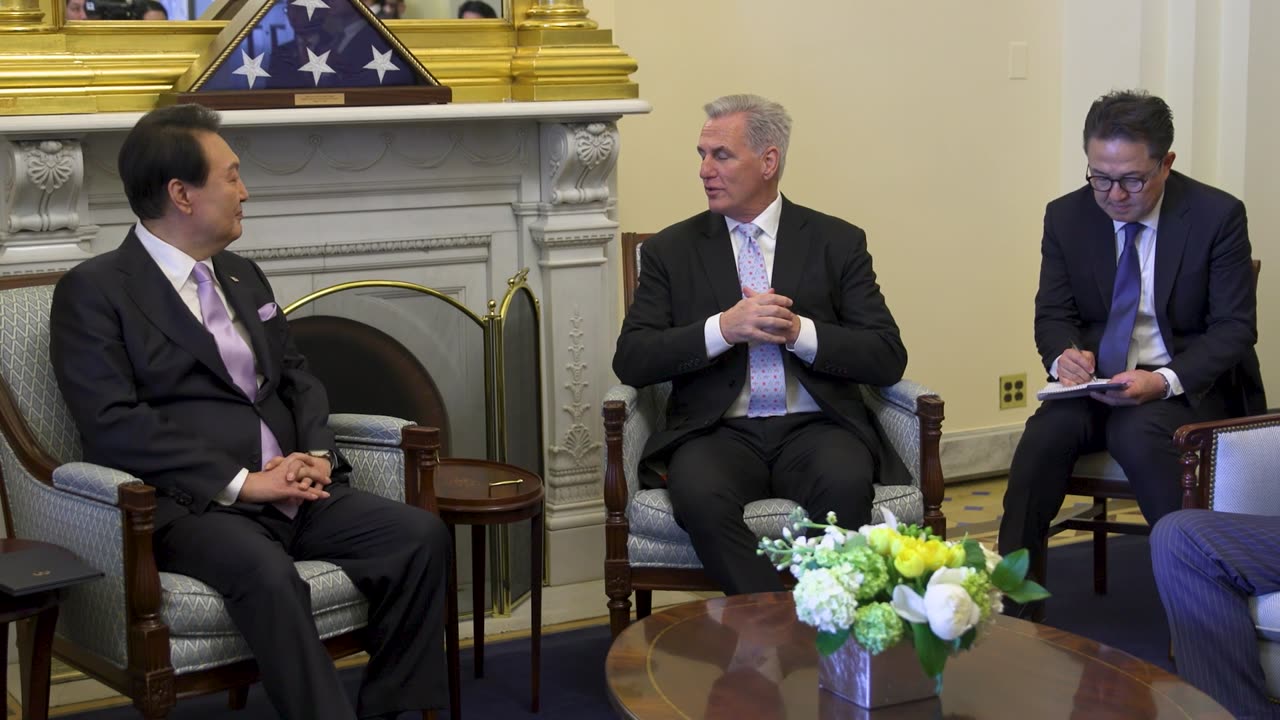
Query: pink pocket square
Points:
[268, 311]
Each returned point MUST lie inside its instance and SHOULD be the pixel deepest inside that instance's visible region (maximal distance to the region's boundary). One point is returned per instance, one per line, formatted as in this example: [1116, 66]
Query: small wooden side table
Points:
[35, 639]
[480, 493]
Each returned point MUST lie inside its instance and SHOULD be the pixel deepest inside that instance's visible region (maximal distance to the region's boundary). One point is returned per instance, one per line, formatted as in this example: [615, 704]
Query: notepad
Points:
[1058, 391]
[41, 567]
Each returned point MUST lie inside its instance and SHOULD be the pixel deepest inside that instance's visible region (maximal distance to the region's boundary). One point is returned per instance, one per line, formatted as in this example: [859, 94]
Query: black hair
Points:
[1132, 115]
[164, 146]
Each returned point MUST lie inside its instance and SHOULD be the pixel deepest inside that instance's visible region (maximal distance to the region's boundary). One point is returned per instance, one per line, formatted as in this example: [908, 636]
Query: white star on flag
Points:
[251, 68]
[311, 5]
[317, 65]
[380, 62]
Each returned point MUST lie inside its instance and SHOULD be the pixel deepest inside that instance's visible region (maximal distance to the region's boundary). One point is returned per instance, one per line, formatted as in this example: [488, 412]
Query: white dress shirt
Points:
[177, 266]
[1146, 346]
[806, 346]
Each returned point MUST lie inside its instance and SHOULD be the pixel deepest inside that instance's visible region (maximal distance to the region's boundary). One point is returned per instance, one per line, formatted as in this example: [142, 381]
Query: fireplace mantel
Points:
[455, 197]
[19, 126]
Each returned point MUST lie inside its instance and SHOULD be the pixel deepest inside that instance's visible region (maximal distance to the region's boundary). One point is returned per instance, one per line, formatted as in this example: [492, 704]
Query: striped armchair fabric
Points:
[645, 548]
[1232, 463]
[109, 627]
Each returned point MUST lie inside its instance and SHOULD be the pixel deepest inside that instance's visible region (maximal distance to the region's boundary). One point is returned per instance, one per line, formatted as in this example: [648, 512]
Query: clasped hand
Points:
[1076, 367]
[764, 317]
[299, 477]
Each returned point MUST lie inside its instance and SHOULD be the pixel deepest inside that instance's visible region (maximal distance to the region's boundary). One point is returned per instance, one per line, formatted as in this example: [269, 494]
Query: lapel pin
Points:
[234, 278]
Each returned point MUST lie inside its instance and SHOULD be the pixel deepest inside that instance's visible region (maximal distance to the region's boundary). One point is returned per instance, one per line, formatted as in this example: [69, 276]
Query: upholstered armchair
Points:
[1230, 465]
[150, 635]
[645, 550]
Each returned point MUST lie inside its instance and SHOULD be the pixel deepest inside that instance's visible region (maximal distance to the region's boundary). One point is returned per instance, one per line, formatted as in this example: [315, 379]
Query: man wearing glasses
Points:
[1145, 278]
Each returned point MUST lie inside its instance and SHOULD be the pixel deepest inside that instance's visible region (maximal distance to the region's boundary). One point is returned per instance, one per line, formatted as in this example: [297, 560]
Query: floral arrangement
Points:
[885, 583]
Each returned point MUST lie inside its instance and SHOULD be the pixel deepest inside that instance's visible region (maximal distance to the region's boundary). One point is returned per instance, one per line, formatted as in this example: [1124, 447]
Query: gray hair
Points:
[767, 122]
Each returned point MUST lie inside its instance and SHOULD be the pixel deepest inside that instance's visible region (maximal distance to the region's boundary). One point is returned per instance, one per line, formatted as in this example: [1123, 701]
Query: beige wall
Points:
[1262, 185]
[907, 124]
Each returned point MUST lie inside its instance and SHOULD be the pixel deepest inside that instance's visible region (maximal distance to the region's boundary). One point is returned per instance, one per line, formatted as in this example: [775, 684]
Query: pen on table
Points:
[1093, 375]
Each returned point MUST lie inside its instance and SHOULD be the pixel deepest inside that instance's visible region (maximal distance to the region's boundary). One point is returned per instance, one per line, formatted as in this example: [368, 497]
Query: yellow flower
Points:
[880, 539]
[955, 556]
[902, 542]
[909, 563]
[934, 553]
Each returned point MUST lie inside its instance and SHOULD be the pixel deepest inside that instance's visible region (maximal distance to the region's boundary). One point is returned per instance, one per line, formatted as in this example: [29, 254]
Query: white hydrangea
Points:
[826, 599]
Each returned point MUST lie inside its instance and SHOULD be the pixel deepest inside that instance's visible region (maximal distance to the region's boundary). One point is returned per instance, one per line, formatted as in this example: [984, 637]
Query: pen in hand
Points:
[1092, 375]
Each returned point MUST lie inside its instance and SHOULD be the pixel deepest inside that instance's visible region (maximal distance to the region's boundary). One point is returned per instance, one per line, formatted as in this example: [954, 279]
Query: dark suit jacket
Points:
[149, 392]
[1204, 292]
[688, 273]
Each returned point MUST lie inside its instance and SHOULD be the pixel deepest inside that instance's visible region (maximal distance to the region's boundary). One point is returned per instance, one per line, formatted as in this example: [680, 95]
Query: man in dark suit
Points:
[179, 368]
[1145, 278]
[765, 316]
[1207, 567]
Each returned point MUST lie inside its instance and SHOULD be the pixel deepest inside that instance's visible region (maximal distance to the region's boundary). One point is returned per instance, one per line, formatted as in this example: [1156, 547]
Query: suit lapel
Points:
[791, 251]
[1171, 243]
[716, 252]
[236, 286]
[156, 299]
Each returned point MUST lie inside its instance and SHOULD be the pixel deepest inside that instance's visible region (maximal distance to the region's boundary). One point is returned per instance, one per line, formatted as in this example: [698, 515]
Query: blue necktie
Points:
[768, 381]
[1113, 351]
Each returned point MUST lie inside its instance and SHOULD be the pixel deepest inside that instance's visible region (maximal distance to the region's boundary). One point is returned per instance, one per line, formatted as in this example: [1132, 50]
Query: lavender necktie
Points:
[1113, 350]
[768, 383]
[238, 358]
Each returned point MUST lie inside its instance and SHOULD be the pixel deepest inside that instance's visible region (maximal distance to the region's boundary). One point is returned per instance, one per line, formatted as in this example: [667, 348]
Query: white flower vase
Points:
[874, 681]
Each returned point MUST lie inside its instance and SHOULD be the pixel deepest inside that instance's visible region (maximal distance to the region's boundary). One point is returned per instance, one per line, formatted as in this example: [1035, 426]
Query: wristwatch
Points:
[1168, 389]
[326, 454]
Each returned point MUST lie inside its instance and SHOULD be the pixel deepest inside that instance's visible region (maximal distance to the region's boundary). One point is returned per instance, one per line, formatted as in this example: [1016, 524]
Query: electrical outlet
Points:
[1013, 391]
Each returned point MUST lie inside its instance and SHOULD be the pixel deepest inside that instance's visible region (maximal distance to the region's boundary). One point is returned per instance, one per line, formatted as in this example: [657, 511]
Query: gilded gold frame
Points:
[541, 50]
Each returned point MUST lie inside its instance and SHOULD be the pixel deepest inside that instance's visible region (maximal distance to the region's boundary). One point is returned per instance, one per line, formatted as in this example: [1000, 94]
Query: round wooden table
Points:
[480, 493]
[748, 657]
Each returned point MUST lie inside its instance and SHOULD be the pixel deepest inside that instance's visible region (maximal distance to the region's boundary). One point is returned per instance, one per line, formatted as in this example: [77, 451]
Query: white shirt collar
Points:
[767, 220]
[1151, 220]
[175, 264]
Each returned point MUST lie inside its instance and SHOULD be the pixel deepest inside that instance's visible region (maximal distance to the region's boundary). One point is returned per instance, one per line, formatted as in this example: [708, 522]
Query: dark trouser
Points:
[803, 457]
[395, 554]
[1207, 566]
[1139, 437]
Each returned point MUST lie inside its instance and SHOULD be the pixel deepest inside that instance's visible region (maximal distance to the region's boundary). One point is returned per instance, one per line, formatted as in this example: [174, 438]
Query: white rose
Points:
[950, 610]
[993, 558]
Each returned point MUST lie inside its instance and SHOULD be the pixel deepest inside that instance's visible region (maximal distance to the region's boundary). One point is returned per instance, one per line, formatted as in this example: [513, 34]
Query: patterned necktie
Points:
[238, 358]
[768, 384]
[1113, 351]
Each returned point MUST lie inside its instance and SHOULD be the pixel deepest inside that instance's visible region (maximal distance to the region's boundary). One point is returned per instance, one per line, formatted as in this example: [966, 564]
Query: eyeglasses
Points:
[1128, 183]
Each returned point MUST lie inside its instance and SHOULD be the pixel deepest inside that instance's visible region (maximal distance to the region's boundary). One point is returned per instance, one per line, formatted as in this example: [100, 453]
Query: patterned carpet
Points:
[975, 507]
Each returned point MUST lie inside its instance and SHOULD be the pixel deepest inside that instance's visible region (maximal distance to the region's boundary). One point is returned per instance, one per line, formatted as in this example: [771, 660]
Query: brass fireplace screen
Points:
[395, 348]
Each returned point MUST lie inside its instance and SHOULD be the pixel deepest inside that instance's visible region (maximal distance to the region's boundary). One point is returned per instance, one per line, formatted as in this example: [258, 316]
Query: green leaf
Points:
[973, 555]
[966, 640]
[831, 642]
[1011, 571]
[931, 650]
[1027, 591]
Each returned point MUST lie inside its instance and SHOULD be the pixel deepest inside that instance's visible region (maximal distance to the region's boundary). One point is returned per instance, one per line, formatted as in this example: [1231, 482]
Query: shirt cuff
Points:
[715, 342]
[1053, 369]
[1175, 385]
[232, 491]
[806, 345]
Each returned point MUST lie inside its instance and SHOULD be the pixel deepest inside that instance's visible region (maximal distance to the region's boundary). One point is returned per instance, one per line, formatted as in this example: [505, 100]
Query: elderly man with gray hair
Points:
[766, 317]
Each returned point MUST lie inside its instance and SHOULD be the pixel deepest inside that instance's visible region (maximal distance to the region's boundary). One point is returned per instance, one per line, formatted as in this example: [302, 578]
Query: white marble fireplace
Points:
[454, 197]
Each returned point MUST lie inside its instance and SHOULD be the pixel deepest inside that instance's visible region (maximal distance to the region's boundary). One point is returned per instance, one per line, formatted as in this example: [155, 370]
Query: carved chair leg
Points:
[154, 695]
[617, 587]
[644, 603]
[237, 697]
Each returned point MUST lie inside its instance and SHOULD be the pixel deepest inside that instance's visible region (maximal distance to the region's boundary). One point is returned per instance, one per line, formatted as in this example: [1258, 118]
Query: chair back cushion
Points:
[1242, 468]
[28, 374]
